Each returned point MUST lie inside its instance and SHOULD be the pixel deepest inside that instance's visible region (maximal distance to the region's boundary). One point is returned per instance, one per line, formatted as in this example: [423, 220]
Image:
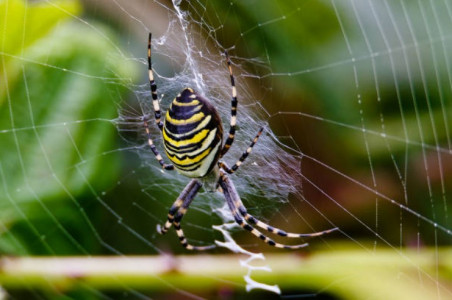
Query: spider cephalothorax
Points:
[193, 140]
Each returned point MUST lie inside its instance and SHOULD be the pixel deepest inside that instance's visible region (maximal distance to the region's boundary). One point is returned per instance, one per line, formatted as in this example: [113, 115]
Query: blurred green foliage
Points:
[377, 74]
[306, 44]
[55, 92]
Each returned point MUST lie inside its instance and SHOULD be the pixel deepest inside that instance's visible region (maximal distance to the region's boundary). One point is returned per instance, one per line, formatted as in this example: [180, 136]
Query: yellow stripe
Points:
[194, 149]
[201, 167]
[192, 103]
[201, 125]
[188, 161]
[172, 150]
[194, 140]
[195, 118]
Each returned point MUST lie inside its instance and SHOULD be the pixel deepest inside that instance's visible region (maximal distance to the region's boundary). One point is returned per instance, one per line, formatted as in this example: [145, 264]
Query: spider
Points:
[193, 141]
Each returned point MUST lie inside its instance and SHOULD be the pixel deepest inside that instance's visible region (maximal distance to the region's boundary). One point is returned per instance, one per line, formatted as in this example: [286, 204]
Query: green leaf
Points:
[55, 129]
[23, 23]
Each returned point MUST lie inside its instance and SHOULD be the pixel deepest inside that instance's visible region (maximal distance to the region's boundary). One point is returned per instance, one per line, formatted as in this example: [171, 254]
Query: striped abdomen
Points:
[192, 134]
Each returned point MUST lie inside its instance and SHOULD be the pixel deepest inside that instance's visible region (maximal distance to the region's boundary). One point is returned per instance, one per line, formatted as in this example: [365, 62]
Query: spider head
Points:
[187, 95]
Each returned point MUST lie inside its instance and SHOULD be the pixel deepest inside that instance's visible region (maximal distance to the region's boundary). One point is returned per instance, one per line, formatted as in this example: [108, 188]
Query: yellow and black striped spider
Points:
[193, 141]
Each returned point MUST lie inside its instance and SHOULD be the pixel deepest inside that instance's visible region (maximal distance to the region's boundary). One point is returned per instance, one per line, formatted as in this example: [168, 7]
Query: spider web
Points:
[354, 97]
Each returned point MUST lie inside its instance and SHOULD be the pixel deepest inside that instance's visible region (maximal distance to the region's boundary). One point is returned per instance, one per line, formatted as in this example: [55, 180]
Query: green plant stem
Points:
[348, 274]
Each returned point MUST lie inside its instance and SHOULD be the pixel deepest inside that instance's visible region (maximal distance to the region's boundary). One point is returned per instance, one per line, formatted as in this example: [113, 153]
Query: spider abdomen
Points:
[192, 134]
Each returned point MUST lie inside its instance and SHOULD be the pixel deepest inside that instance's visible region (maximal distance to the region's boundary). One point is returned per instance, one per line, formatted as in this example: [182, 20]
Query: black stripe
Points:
[248, 227]
[191, 156]
[189, 147]
[184, 112]
[193, 166]
[171, 134]
[181, 149]
[179, 129]
[189, 168]
[196, 146]
[281, 233]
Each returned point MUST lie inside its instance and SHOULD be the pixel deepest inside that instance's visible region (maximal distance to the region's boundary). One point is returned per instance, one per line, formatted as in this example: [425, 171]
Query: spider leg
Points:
[252, 220]
[155, 151]
[181, 235]
[189, 191]
[157, 113]
[243, 157]
[178, 210]
[234, 102]
[153, 86]
[249, 218]
[234, 202]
